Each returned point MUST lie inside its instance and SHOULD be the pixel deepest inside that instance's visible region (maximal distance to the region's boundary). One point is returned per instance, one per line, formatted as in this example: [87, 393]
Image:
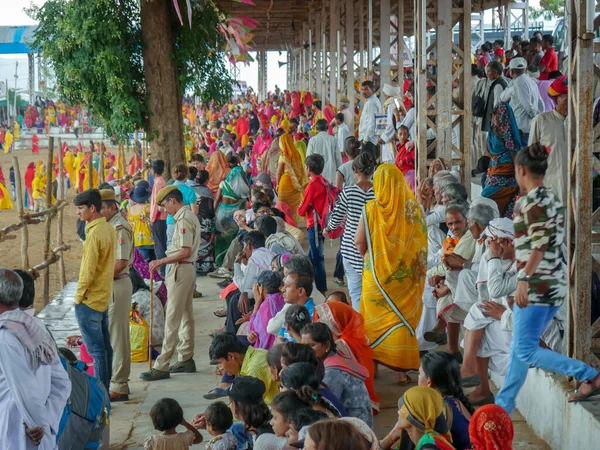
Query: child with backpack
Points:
[315, 207]
[217, 419]
[167, 415]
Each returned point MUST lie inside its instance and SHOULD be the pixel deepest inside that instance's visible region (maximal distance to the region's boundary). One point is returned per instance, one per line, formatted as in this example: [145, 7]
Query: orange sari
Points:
[348, 328]
[217, 169]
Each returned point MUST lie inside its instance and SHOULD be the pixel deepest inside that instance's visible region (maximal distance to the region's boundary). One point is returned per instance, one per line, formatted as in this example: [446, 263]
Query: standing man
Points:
[181, 277]
[550, 130]
[327, 146]
[158, 215]
[386, 140]
[343, 132]
[346, 110]
[34, 386]
[366, 126]
[494, 90]
[523, 95]
[549, 62]
[120, 302]
[95, 285]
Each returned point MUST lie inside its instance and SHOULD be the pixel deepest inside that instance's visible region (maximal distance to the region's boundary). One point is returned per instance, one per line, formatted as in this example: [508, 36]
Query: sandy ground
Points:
[10, 250]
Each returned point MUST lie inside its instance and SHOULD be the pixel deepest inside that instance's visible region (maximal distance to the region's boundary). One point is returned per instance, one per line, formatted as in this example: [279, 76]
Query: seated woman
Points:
[311, 375]
[335, 435]
[296, 318]
[441, 371]
[344, 377]
[268, 301]
[491, 427]
[348, 329]
[421, 420]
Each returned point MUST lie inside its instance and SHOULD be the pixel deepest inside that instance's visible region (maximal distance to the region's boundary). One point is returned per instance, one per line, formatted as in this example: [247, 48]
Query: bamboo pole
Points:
[145, 158]
[101, 166]
[62, 197]
[151, 320]
[47, 237]
[91, 169]
[20, 210]
[50, 259]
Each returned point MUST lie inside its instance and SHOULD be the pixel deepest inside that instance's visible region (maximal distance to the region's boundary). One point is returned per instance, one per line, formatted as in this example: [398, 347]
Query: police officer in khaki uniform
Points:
[181, 277]
[120, 302]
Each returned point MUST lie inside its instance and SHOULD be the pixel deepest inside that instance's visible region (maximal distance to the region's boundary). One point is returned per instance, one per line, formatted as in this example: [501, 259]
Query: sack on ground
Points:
[138, 335]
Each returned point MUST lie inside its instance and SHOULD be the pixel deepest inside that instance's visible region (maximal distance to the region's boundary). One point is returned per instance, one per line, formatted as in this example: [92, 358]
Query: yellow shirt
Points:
[255, 365]
[95, 284]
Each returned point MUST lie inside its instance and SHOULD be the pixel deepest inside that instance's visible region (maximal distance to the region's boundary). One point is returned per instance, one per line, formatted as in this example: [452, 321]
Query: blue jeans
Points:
[315, 253]
[528, 325]
[354, 280]
[94, 331]
[242, 436]
[146, 252]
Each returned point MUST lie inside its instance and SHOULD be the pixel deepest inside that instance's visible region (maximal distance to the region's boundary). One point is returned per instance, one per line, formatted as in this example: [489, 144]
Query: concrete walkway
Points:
[130, 422]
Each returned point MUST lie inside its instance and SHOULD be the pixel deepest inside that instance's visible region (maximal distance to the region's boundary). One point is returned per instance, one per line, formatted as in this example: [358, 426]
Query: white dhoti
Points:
[465, 294]
[495, 343]
[428, 318]
[388, 153]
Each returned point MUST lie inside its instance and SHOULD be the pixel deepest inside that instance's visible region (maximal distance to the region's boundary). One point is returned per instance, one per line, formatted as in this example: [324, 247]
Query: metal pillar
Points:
[318, 58]
[312, 63]
[31, 85]
[478, 26]
[261, 58]
[350, 52]
[436, 65]
[384, 42]
[516, 15]
[582, 337]
[333, 12]
[369, 37]
[324, 58]
[361, 40]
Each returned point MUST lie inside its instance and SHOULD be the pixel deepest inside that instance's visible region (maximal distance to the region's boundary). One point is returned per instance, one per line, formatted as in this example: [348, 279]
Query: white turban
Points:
[501, 228]
[391, 91]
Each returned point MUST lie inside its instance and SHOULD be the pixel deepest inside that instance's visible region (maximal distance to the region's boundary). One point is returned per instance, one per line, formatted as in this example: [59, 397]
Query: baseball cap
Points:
[517, 63]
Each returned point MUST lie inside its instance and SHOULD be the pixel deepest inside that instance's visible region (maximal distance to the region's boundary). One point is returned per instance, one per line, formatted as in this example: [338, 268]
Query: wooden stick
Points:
[151, 320]
[101, 166]
[91, 169]
[51, 259]
[62, 197]
[47, 237]
[21, 211]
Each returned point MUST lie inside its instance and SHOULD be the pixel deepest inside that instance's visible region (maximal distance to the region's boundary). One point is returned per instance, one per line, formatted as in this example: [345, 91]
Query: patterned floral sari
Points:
[394, 271]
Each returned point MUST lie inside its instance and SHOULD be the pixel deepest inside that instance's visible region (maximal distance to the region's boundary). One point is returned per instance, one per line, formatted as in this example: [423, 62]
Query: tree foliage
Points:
[548, 9]
[95, 49]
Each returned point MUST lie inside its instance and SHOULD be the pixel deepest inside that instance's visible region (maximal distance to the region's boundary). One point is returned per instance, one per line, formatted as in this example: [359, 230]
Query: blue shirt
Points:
[189, 197]
[310, 305]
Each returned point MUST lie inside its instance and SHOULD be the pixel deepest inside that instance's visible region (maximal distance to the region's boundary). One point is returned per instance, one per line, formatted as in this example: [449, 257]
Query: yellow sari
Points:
[301, 147]
[394, 271]
[291, 184]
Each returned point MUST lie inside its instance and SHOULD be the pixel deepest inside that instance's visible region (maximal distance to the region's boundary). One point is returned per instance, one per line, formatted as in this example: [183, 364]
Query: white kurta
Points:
[550, 129]
[34, 396]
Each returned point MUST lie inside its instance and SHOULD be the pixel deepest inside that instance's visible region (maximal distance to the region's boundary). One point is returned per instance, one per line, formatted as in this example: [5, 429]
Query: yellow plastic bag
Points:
[138, 335]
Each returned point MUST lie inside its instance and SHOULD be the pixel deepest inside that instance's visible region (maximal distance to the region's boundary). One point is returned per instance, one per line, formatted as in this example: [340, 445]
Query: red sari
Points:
[348, 328]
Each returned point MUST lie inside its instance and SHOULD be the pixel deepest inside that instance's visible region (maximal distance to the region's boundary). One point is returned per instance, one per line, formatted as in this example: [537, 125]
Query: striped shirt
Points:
[350, 205]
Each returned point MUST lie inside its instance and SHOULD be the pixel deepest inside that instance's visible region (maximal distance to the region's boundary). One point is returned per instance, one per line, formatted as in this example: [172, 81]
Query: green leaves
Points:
[95, 50]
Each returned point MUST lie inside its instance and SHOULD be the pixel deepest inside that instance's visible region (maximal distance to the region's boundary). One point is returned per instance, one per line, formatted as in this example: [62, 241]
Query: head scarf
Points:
[217, 169]
[491, 429]
[348, 328]
[423, 408]
[245, 140]
[363, 429]
[307, 100]
[559, 86]
[263, 142]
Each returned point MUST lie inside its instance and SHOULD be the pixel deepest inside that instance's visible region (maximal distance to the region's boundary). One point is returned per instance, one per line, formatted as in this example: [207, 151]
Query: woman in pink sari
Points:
[262, 144]
[329, 113]
[268, 302]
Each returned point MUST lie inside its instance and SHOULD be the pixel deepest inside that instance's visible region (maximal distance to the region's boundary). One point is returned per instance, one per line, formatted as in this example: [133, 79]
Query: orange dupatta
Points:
[217, 169]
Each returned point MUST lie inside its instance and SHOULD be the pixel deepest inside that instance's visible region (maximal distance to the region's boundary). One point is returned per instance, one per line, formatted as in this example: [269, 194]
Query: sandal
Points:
[220, 313]
[404, 382]
[215, 393]
[595, 389]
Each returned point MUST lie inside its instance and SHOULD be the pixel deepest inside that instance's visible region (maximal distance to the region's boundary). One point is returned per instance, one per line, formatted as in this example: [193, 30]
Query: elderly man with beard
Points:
[34, 386]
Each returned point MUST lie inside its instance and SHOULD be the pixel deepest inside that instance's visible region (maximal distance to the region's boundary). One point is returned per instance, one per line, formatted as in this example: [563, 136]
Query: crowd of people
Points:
[423, 264]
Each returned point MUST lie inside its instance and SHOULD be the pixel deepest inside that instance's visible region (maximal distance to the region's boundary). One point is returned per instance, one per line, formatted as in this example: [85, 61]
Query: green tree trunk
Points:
[162, 79]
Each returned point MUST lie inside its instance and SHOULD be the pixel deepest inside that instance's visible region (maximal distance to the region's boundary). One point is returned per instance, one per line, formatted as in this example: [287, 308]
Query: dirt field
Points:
[10, 251]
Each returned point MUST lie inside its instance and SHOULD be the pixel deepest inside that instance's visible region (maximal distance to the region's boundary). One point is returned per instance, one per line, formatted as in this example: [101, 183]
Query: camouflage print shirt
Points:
[540, 225]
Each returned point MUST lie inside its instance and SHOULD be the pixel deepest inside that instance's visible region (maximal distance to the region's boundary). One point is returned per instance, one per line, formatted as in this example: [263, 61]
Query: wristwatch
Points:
[522, 276]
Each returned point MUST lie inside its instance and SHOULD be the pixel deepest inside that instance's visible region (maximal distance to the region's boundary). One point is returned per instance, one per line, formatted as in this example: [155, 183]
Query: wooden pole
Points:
[145, 158]
[62, 196]
[101, 165]
[20, 210]
[91, 169]
[151, 316]
[47, 237]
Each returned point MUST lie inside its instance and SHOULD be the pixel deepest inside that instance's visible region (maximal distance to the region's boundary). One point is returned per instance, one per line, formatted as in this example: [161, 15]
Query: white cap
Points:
[391, 91]
[517, 63]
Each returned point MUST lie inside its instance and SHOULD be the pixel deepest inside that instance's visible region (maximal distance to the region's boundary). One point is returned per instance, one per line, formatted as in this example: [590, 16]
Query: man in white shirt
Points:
[346, 110]
[342, 131]
[327, 146]
[386, 140]
[523, 95]
[34, 386]
[372, 107]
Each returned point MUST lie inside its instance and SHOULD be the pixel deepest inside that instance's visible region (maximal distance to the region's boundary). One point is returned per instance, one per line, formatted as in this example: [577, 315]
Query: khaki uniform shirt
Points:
[125, 247]
[186, 234]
